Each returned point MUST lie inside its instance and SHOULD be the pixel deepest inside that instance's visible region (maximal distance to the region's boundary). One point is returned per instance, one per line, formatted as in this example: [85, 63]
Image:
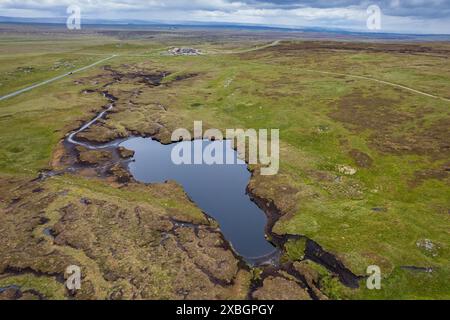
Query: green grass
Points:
[47, 286]
[341, 217]
[274, 91]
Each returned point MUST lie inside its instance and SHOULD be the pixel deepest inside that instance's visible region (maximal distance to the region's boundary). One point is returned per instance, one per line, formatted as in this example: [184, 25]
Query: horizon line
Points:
[139, 22]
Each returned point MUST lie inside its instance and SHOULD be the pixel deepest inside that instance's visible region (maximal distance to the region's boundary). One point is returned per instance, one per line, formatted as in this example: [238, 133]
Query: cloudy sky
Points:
[407, 16]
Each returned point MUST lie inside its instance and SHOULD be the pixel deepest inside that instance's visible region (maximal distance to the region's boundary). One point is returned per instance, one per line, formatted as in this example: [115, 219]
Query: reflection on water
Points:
[219, 190]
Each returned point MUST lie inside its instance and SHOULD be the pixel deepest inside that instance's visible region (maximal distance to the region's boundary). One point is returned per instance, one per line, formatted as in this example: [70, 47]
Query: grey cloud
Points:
[401, 8]
[411, 14]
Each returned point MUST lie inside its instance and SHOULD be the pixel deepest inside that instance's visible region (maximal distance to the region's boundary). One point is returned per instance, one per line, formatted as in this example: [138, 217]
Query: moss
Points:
[295, 249]
[48, 287]
[280, 288]
[324, 284]
[125, 153]
[92, 157]
[256, 273]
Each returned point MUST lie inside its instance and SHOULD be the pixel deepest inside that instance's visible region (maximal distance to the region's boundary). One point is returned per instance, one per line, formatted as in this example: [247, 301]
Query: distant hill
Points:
[143, 25]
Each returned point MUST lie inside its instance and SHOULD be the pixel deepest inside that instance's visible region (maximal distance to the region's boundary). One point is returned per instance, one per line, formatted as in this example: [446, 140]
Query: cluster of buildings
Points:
[184, 52]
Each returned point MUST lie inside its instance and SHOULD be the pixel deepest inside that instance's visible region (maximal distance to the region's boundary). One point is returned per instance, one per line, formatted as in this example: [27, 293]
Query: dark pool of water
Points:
[219, 190]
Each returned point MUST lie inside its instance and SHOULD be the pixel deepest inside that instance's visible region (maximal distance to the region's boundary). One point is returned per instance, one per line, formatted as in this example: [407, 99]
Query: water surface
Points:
[219, 190]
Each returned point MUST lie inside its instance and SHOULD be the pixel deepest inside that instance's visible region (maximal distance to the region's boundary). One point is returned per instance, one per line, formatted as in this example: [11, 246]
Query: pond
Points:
[217, 189]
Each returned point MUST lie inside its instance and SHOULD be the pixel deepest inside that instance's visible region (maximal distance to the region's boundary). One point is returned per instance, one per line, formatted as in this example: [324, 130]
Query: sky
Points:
[403, 16]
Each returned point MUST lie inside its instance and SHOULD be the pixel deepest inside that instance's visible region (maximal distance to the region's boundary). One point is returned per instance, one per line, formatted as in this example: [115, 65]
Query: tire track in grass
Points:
[379, 81]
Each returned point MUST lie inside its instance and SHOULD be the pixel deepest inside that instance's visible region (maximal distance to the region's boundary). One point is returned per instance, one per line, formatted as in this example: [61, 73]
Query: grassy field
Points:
[366, 163]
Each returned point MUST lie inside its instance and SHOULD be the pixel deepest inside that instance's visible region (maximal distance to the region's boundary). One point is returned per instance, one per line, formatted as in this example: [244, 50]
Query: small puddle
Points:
[219, 190]
[14, 287]
[48, 232]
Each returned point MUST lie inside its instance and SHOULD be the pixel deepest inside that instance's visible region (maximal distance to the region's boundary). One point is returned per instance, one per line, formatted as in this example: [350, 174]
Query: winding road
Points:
[16, 93]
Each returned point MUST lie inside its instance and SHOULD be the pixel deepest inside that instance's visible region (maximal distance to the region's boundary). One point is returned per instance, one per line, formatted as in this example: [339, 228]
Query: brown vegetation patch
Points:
[92, 157]
[125, 153]
[185, 76]
[362, 112]
[126, 249]
[442, 174]
[433, 140]
[362, 159]
[99, 133]
[311, 276]
[121, 174]
[293, 48]
[138, 75]
[280, 288]
[209, 253]
[14, 293]
[385, 121]
[277, 191]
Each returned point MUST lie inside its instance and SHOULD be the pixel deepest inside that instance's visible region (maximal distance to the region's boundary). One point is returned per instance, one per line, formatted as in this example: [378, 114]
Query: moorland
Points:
[364, 164]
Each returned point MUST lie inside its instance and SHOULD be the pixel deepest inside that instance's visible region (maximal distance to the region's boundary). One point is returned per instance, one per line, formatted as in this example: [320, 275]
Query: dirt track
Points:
[379, 81]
